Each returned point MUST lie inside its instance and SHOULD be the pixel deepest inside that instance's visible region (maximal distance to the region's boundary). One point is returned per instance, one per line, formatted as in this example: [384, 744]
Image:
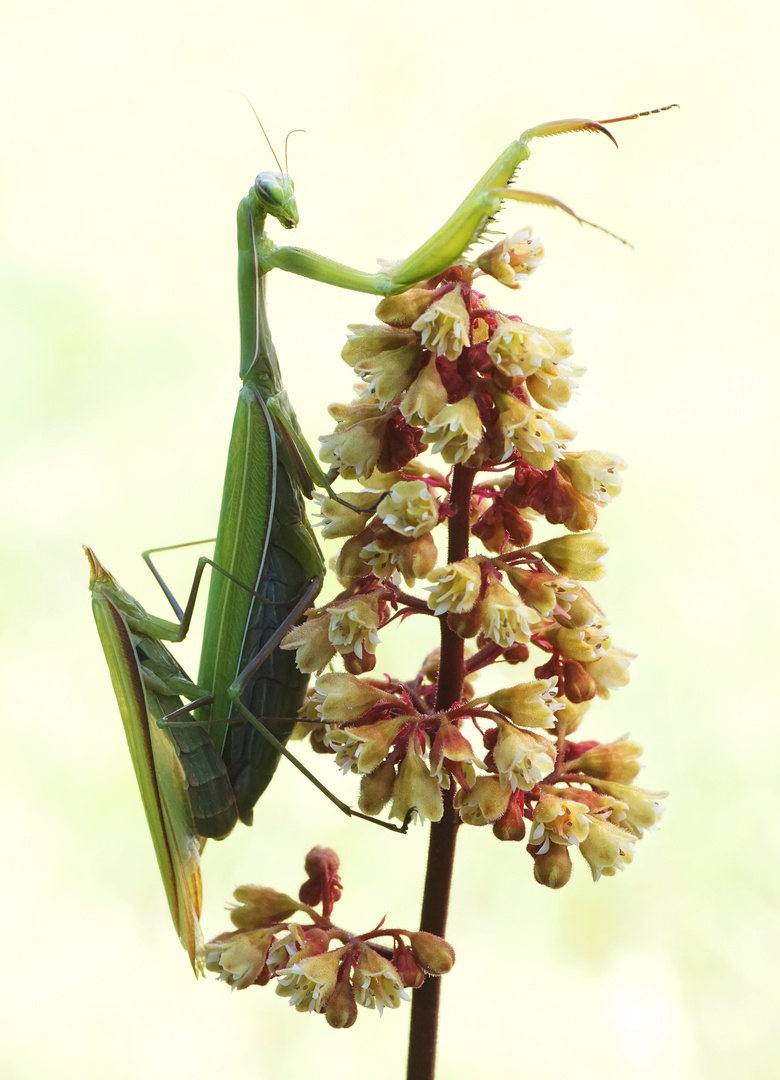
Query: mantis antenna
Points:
[289, 133]
[260, 122]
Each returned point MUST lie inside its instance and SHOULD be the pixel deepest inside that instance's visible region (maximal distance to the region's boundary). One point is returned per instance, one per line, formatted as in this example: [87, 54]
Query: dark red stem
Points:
[441, 850]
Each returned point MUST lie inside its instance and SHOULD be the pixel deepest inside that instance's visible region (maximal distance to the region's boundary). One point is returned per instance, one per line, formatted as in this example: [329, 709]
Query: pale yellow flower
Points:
[456, 587]
[362, 748]
[409, 508]
[585, 643]
[339, 696]
[456, 431]
[484, 802]
[644, 808]
[513, 259]
[240, 956]
[533, 432]
[309, 981]
[444, 325]
[517, 348]
[416, 789]
[376, 983]
[522, 757]
[353, 625]
[425, 397]
[607, 848]
[505, 618]
[594, 474]
[529, 704]
[559, 821]
[611, 671]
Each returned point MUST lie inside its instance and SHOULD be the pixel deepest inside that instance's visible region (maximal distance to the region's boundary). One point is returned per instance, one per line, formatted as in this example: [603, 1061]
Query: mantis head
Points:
[276, 194]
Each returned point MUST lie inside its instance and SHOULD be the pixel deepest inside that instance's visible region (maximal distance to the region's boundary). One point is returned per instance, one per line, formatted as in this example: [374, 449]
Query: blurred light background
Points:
[123, 154]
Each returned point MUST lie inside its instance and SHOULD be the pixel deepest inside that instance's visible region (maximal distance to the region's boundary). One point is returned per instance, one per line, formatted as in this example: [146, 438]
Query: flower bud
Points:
[450, 744]
[553, 867]
[500, 524]
[434, 954]
[376, 789]
[341, 1007]
[261, 907]
[579, 555]
[409, 971]
[511, 824]
[614, 761]
[323, 884]
[530, 704]
[578, 684]
[406, 308]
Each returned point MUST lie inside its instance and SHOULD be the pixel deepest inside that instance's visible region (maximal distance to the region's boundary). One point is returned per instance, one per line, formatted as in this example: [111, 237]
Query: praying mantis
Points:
[145, 695]
[269, 565]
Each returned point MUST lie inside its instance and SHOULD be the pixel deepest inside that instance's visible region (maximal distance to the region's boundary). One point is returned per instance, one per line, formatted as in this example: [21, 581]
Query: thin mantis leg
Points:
[243, 680]
[189, 751]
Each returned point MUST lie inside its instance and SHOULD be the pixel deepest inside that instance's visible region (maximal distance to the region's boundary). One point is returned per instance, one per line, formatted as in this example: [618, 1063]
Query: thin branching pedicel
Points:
[447, 373]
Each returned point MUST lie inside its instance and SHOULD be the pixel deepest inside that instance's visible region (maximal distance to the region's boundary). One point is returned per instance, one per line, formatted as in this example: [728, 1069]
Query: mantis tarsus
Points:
[272, 566]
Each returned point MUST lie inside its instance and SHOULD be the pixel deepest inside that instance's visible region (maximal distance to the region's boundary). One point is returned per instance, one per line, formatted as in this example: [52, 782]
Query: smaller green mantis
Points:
[147, 681]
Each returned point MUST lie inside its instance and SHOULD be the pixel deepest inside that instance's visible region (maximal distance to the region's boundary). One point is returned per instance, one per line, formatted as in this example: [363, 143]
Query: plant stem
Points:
[441, 850]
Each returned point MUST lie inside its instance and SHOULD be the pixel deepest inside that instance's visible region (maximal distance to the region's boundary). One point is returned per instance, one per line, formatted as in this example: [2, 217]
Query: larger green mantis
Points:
[271, 566]
[264, 539]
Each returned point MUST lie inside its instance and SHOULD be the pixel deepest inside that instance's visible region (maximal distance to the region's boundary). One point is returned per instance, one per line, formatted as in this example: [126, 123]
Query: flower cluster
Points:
[317, 965]
[448, 374]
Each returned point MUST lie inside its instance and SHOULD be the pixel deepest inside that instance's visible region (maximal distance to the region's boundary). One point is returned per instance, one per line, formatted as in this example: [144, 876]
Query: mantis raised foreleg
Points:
[464, 228]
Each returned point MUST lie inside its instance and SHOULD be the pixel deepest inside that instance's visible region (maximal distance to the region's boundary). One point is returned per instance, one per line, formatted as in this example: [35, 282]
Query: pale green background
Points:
[122, 158]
